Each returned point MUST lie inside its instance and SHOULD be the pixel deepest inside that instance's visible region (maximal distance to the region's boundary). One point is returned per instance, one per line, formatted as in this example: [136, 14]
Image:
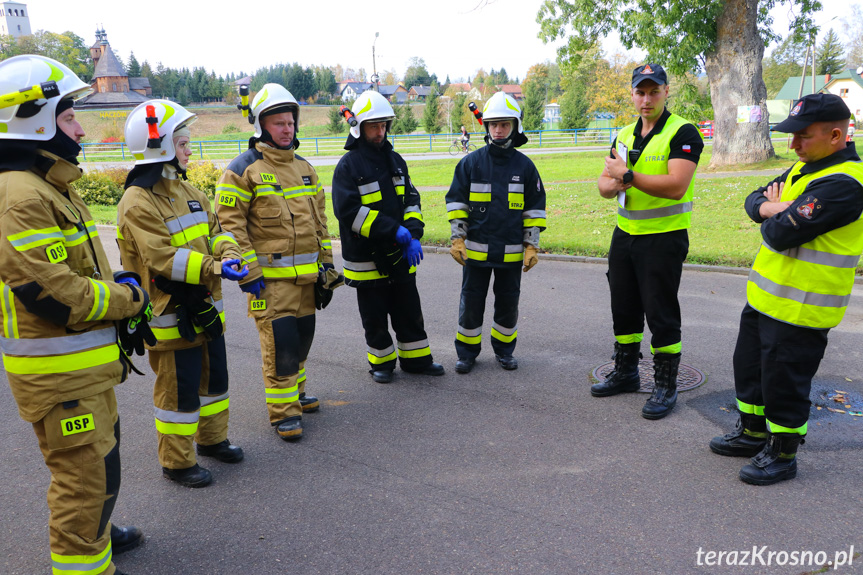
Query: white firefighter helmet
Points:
[34, 119]
[502, 106]
[371, 107]
[273, 96]
[168, 118]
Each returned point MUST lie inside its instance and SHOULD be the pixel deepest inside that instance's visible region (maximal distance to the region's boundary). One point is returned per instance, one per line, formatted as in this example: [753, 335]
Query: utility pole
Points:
[374, 66]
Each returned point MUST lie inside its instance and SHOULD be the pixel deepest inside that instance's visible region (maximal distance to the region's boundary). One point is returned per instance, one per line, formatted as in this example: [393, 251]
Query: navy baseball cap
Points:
[653, 72]
[813, 108]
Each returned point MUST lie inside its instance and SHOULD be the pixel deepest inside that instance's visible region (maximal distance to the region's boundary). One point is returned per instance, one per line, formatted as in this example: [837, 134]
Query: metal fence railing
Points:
[334, 145]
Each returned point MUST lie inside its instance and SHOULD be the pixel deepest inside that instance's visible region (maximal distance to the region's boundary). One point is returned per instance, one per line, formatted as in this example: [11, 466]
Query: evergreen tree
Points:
[431, 119]
[830, 55]
[405, 122]
[337, 121]
[533, 105]
[133, 68]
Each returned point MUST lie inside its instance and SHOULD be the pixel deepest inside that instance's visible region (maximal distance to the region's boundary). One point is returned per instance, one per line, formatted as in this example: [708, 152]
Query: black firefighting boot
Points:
[664, 396]
[223, 451]
[776, 462]
[464, 364]
[125, 538]
[624, 377]
[290, 429]
[195, 476]
[507, 362]
[309, 403]
[748, 438]
[382, 375]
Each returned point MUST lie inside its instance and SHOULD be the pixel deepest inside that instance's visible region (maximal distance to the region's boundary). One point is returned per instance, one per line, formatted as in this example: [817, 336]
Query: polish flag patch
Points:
[687, 148]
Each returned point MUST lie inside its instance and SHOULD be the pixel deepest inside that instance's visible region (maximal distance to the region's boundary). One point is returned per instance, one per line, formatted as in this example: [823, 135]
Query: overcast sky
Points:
[454, 37]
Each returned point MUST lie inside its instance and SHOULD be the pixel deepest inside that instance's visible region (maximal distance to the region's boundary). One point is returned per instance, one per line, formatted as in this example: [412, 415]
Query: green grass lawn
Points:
[580, 222]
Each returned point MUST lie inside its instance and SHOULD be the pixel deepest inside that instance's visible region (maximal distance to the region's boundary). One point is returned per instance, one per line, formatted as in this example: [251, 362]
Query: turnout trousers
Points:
[191, 400]
[400, 302]
[80, 442]
[474, 289]
[286, 327]
[774, 363]
[643, 276]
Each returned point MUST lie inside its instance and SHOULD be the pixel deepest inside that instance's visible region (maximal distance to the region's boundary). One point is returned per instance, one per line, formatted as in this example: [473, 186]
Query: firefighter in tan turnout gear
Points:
[169, 235]
[61, 313]
[271, 200]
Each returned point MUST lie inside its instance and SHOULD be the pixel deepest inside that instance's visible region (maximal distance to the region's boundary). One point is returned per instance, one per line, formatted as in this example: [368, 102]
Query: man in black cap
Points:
[650, 172]
[799, 287]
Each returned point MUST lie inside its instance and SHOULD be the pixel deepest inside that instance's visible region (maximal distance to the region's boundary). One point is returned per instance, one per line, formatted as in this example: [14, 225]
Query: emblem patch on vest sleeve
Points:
[307, 180]
[195, 206]
[809, 208]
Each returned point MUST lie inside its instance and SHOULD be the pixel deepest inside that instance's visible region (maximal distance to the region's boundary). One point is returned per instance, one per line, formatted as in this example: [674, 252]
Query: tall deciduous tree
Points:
[784, 62]
[726, 37]
[611, 93]
[830, 54]
[417, 74]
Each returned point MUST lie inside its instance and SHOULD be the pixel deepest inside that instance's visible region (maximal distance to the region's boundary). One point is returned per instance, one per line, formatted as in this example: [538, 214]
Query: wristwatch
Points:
[628, 176]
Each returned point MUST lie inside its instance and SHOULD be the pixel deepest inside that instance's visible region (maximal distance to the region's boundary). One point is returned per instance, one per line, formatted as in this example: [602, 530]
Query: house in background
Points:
[513, 90]
[419, 93]
[348, 91]
[551, 119]
[470, 92]
[112, 86]
[397, 94]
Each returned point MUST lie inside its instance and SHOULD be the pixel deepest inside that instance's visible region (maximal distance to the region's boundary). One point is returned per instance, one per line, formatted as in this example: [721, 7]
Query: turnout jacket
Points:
[273, 203]
[58, 302]
[372, 197]
[497, 204]
[170, 230]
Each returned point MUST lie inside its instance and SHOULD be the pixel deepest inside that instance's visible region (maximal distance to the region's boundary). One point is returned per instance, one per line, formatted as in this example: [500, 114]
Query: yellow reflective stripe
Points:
[480, 197]
[290, 272]
[412, 353]
[100, 300]
[513, 257]
[366, 228]
[230, 190]
[302, 377]
[120, 234]
[10, 316]
[74, 237]
[774, 428]
[214, 408]
[282, 395]
[504, 338]
[327, 244]
[629, 338]
[749, 408]
[371, 198]
[223, 238]
[61, 363]
[267, 191]
[534, 222]
[189, 234]
[400, 190]
[167, 428]
[379, 360]
[193, 268]
[363, 276]
[673, 348]
[82, 564]
[457, 214]
[169, 333]
[23, 241]
[250, 256]
[416, 215]
[298, 191]
[472, 339]
[478, 256]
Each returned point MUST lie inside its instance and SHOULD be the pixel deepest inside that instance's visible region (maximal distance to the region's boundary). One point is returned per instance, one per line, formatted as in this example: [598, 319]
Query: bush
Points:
[204, 176]
[100, 187]
[230, 129]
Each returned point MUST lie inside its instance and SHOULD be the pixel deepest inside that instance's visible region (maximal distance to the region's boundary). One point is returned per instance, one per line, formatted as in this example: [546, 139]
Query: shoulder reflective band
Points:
[78, 424]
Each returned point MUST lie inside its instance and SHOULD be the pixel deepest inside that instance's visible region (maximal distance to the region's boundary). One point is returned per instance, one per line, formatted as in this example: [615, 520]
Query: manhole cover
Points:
[687, 376]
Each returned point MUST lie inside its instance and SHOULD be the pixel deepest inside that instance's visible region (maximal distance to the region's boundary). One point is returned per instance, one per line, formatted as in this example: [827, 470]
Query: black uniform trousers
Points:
[474, 289]
[400, 301]
[644, 276]
[774, 363]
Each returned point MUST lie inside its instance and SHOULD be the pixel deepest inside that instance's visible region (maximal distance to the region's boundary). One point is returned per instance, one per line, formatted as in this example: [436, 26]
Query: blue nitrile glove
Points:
[128, 280]
[414, 253]
[228, 272]
[254, 287]
[403, 236]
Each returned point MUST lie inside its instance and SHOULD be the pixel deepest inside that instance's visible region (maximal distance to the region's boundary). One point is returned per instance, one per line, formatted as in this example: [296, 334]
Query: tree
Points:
[67, 48]
[577, 81]
[853, 27]
[830, 54]
[784, 62]
[417, 74]
[405, 122]
[533, 105]
[325, 81]
[611, 92]
[133, 68]
[689, 97]
[337, 121]
[431, 119]
[726, 37]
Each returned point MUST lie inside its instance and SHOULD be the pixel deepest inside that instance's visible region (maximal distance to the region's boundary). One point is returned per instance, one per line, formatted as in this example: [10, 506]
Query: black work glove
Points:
[135, 331]
[193, 306]
[328, 280]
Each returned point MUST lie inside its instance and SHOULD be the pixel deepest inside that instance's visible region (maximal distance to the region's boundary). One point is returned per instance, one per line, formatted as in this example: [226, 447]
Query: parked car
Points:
[706, 128]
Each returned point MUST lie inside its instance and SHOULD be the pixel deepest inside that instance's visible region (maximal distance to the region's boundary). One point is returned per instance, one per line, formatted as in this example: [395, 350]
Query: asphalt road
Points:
[491, 472]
